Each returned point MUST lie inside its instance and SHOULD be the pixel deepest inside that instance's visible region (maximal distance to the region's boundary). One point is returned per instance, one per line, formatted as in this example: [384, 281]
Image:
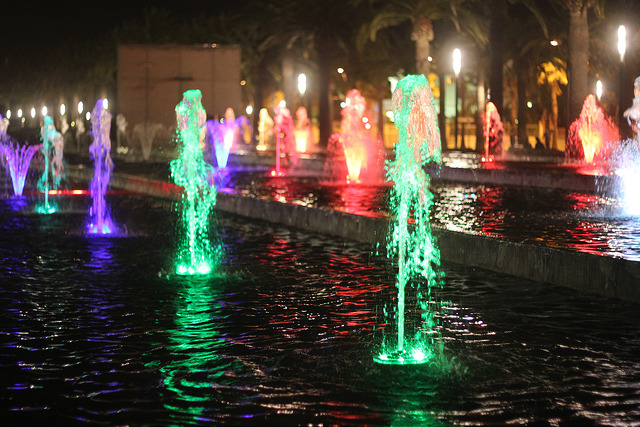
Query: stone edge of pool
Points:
[602, 275]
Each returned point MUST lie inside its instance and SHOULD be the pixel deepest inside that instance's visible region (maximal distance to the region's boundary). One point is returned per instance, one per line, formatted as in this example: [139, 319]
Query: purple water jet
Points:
[99, 218]
[222, 135]
[18, 160]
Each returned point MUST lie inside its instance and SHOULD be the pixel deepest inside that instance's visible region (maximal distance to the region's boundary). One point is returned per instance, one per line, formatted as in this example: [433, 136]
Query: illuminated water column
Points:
[414, 246]
[100, 149]
[18, 159]
[48, 135]
[195, 253]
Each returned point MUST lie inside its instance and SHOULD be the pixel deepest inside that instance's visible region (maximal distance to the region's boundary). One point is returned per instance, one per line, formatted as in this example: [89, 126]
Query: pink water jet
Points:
[285, 140]
[593, 135]
[358, 143]
[492, 131]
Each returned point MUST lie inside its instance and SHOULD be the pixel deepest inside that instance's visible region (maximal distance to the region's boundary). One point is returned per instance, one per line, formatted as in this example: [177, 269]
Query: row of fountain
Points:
[413, 246]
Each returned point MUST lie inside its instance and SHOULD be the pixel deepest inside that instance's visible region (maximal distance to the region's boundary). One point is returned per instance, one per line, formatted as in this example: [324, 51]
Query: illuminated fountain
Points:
[265, 130]
[414, 246]
[358, 142]
[145, 132]
[492, 131]
[593, 135]
[52, 147]
[222, 135]
[4, 124]
[303, 133]
[195, 253]
[100, 149]
[626, 157]
[285, 141]
[18, 159]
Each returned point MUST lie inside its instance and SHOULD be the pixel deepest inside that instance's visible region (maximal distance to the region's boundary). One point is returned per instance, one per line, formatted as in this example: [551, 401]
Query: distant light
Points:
[282, 104]
[389, 115]
[429, 58]
[249, 109]
[87, 116]
[105, 104]
[44, 110]
[365, 119]
[599, 89]
[553, 42]
[457, 61]
[622, 41]
[343, 104]
[33, 112]
[19, 112]
[80, 107]
[529, 104]
[302, 83]
[8, 114]
[340, 70]
[243, 82]
[63, 109]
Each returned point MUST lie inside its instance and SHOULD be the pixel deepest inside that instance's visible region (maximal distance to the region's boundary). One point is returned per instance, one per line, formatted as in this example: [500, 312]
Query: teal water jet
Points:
[196, 254]
[414, 246]
[52, 144]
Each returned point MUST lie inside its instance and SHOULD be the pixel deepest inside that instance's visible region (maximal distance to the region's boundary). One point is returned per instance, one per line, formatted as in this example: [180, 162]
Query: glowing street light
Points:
[457, 66]
[8, 114]
[44, 111]
[622, 41]
[105, 103]
[63, 109]
[599, 89]
[622, 47]
[19, 113]
[33, 112]
[302, 83]
[80, 107]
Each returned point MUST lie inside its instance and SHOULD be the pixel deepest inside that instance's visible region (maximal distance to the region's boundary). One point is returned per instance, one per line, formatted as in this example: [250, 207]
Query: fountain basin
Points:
[99, 331]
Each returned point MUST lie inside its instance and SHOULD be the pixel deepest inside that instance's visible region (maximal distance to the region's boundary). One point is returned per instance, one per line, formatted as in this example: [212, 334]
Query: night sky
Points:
[32, 26]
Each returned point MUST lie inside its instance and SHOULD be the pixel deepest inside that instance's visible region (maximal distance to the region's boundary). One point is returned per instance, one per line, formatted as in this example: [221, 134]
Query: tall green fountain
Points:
[196, 254]
[412, 244]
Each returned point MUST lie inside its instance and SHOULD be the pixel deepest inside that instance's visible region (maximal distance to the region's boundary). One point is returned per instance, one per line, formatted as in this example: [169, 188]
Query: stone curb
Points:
[602, 275]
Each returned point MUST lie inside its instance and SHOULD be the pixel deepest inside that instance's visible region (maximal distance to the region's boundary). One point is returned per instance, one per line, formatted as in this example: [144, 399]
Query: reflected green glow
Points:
[195, 254]
[414, 246]
[191, 377]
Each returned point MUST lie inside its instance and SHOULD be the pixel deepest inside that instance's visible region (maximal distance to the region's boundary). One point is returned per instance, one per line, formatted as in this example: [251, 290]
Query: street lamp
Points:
[302, 87]
[599, 90]
[622, 47]
[457, 65]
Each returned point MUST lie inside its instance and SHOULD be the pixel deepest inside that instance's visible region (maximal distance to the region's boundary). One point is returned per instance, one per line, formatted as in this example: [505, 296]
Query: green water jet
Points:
[413, 245]
[196, 254]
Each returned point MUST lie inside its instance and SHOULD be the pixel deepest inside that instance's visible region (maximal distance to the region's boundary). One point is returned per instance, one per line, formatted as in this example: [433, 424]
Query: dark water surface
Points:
[96, 331]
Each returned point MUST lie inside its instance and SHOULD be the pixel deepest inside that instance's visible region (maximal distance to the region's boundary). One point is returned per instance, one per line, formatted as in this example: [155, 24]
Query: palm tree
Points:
[553, 74]
[421, 14]
[319, 30]
[579, 50]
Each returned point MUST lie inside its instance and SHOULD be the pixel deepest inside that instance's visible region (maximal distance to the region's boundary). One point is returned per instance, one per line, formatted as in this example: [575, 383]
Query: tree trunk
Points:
[521, 71]
[324, 84]
[555, 91]
[422, 34]
[496, 11]
[578, 58]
